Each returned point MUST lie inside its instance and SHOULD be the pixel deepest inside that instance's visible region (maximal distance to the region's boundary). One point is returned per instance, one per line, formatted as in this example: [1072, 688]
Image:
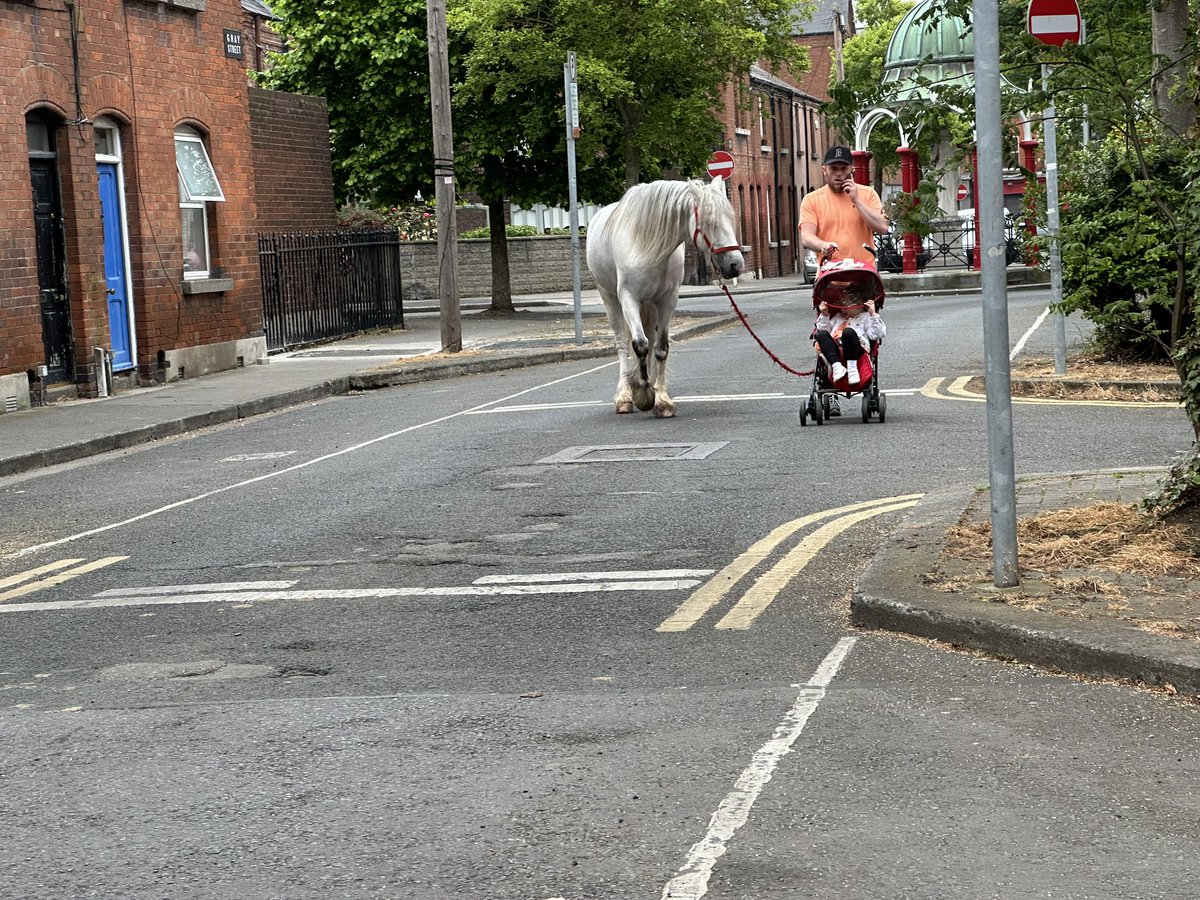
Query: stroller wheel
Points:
[882, 408]
[803, 413]
[866, 407]
[818, 410]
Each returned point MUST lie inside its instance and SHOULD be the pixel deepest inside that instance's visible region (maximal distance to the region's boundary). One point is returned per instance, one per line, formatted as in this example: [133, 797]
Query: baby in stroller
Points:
[847, 336]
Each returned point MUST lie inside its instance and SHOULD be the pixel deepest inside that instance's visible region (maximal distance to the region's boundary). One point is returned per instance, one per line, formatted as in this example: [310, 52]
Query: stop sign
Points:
[1054, 22]
[962, 192]
[720, 164]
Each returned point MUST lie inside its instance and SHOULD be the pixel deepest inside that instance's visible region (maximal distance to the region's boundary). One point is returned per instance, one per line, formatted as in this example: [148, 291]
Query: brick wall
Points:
[292, 172]
[148, 67]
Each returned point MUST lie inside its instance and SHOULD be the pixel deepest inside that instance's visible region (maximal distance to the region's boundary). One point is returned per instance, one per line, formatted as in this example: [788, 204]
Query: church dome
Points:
[938, 48]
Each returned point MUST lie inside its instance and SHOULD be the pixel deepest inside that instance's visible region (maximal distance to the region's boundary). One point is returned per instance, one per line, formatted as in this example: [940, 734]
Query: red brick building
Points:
[777, 144]
[132, 173]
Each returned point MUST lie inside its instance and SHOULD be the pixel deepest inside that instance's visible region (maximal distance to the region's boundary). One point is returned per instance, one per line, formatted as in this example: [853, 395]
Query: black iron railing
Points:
[329, 284]
[951, 245]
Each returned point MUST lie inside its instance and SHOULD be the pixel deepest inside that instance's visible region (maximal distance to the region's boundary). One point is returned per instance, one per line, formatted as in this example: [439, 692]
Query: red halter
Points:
[712, 251]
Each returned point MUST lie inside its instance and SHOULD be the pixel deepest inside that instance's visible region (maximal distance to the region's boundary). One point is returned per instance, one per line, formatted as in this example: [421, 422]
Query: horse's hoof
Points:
[625, 407]
[664, 412]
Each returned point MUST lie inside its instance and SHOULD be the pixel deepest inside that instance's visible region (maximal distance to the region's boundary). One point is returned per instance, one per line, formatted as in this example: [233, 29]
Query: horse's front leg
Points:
[664, 406]
[638, 378]
[623, 399]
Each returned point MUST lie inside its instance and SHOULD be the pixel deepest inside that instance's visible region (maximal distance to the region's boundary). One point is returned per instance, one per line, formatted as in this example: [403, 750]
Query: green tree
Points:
[651, 75]
[370, 62]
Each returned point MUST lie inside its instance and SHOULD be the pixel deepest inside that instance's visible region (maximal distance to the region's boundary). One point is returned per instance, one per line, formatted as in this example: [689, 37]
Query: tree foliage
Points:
[369, 60]
[651, 76]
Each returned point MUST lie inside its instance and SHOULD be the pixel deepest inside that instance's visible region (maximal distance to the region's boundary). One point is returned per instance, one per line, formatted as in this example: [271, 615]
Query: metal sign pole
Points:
[990, 250]
[572, 95]
[1060, 323]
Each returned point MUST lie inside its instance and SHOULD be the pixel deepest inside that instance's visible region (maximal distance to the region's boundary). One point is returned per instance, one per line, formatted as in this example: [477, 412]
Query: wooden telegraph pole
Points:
[443, 176]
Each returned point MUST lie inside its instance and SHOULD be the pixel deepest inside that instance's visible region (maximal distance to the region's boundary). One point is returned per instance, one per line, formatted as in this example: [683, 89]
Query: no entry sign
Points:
[962, 192]
[720, 164]
[1054, 22]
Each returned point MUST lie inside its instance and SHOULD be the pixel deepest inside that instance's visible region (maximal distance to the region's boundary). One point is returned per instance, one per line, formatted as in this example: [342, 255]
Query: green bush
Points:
[1119, 249]
[510, 230]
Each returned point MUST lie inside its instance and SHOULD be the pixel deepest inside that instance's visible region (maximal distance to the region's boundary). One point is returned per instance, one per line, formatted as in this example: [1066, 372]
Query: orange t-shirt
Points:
[837, 220]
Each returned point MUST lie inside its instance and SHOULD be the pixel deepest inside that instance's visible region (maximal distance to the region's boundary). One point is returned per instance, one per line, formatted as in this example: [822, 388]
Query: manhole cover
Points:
[633, 453]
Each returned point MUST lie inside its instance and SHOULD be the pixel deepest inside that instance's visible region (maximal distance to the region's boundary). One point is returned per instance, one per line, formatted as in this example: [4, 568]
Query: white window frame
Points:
[197, 200]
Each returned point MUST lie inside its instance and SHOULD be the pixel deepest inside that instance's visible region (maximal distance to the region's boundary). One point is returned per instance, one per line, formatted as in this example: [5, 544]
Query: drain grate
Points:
[633, 453]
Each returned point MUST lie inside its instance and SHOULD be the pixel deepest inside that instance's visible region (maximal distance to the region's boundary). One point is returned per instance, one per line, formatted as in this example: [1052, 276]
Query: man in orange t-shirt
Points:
[842, 216]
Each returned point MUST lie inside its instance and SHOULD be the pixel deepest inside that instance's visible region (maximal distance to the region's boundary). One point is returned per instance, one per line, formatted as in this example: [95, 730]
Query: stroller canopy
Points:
[847, 283]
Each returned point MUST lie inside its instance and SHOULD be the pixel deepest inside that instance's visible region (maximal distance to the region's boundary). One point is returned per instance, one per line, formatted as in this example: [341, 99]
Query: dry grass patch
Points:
[1112, 537]
[1095, 368]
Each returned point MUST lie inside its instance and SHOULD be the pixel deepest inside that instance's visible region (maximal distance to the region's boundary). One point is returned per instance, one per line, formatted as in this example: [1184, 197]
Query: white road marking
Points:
[130, 598]
[178, 504]
[213, 588]
[1020, 345]
[252, 457]
[592, 576]
[734, 811]
[699, 398]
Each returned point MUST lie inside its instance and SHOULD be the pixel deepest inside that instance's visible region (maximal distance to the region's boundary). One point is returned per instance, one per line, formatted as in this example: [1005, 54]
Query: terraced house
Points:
[137, 166]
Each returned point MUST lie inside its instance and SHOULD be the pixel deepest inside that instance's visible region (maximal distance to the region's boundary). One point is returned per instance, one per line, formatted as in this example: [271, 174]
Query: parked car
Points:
[808, 266]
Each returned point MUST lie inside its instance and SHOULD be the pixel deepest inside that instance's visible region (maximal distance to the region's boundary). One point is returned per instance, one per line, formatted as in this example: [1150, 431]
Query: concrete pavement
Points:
[904, 588]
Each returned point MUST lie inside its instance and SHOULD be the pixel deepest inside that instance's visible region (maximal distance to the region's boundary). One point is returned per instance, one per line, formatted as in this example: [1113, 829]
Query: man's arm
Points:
[874, 218]
[808, 237]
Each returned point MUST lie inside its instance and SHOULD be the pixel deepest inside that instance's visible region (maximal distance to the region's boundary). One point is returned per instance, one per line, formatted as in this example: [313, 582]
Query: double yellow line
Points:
[765, 588]
[41, 583]
[957, 390]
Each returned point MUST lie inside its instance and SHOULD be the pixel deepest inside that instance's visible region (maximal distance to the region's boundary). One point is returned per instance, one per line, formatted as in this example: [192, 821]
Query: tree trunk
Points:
[1170, 33]
[498, 242]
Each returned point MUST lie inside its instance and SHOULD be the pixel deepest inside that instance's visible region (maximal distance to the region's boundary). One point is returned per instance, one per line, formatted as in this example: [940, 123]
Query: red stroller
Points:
[844, 285]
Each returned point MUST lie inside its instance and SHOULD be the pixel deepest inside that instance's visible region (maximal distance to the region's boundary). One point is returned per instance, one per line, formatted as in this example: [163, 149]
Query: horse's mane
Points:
[649, 214]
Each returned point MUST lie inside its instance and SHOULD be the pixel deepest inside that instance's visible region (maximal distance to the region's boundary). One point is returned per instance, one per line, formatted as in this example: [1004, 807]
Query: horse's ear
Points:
[717, 179]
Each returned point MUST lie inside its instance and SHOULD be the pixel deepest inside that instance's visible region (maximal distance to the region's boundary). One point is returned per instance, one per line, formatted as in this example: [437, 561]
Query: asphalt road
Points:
[467, 639]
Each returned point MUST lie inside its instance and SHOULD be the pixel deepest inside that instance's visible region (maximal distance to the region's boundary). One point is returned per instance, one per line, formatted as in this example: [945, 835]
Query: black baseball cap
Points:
[838, 154]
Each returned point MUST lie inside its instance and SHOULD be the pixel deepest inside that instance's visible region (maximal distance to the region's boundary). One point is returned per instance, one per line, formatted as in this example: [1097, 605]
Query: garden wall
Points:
[537, 265]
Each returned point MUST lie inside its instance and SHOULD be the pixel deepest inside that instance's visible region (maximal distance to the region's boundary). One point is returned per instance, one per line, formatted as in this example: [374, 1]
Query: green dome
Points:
[941, 49]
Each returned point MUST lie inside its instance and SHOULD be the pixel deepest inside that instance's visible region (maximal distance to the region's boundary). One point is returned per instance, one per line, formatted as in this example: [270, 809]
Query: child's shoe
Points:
[852, 373]
[839, 371]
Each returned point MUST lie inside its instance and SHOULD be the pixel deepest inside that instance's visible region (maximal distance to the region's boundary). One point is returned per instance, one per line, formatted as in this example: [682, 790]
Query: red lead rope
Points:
[777, 360]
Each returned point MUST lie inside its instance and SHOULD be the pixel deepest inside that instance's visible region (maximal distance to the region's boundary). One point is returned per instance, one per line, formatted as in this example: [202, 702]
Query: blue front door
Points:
[114, 267]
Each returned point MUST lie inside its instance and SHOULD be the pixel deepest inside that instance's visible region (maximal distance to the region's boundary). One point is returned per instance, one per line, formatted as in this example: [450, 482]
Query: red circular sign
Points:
[962, 192]
[720, 164]
[1054, 22]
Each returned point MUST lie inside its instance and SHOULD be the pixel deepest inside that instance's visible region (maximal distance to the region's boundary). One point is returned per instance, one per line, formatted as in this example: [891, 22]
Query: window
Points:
[198, 186]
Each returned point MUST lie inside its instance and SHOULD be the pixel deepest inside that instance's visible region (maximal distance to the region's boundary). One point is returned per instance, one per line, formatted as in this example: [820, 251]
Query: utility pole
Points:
[571, 87]
[990, 253]
[443, 176]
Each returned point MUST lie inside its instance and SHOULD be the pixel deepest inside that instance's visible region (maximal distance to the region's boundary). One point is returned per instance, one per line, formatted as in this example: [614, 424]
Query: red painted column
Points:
[1029, 161]
[909, 177]
[862, 166]
[976, 257]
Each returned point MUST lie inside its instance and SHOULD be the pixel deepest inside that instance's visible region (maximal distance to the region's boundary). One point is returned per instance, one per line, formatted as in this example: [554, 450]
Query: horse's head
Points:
[715, 235]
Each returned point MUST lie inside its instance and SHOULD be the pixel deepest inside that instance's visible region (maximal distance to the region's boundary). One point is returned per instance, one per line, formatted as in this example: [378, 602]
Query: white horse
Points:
[635, 254]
